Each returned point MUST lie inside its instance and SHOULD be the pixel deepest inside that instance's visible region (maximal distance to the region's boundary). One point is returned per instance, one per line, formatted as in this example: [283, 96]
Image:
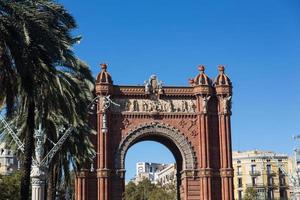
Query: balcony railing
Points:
[271, 173]
[271, 185]
[254, 173]
[283, 185]
[239, 173]
[257, 185]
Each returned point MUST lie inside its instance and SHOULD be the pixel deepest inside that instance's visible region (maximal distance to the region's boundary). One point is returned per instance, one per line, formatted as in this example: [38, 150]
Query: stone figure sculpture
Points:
[225, 102]
[205, 103]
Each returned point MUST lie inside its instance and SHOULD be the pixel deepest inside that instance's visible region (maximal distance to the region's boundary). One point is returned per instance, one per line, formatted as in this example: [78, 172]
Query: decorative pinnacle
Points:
[191, 81]
[221, 69]
[201, 68]
[103, 66]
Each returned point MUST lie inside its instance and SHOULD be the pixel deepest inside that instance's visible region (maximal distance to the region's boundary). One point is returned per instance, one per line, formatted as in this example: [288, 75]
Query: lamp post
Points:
[38, 174]
[38, 178]
[40, 163]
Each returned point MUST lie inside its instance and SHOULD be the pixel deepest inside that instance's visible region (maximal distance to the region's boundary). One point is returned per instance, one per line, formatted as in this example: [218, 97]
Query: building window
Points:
[240, 195]
[269, 169]
[282, 194]
[270, 194]
[270, 181]
[240, 183]
[239, 170]
[282, 181]
[253, 168]
[253, 181]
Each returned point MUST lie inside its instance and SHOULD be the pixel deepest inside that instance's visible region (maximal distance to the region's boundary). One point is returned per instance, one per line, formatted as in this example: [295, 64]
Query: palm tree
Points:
[35, 48]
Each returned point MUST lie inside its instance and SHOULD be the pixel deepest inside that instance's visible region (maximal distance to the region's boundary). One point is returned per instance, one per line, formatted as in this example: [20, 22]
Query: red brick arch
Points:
[158, 132]
[192, 121]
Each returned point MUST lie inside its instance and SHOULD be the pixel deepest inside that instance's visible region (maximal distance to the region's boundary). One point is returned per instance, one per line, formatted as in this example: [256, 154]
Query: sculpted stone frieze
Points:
[159, 105]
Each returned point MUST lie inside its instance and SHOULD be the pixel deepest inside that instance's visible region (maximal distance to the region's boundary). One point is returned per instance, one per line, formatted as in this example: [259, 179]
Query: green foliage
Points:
[250, 194]
[145, 190]
[42, 81]
[10, 186]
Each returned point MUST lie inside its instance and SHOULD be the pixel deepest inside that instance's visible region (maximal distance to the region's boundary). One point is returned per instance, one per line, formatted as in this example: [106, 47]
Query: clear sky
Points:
[257, 40]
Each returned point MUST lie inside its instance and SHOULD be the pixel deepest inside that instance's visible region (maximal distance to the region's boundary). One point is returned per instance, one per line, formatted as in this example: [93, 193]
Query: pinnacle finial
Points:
[201, 68]
[104, 66]
[221, 69]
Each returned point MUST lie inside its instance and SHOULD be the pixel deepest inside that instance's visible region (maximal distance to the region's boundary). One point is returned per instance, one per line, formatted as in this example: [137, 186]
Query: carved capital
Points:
[83, 173]
[188, 173]
[103, 173]
[104, 89]
[202, 89]
[226, 172]
[207, 172]
[37, 182]
[121, 173]
[223, 89]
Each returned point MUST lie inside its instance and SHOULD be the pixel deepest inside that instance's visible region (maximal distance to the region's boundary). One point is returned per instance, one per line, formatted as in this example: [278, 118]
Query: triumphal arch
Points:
[193, 122]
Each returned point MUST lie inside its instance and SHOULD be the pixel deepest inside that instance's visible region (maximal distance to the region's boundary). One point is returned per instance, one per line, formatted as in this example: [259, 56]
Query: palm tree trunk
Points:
[50, 184]
[52, 179]
[29, 148]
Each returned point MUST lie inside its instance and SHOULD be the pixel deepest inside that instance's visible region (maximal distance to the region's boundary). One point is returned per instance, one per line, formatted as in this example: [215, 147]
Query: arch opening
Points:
[166, 135]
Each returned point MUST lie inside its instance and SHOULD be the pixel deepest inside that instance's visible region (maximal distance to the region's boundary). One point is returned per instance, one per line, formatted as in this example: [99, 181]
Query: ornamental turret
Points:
[104, 81]
[222, 82]
[202, 83]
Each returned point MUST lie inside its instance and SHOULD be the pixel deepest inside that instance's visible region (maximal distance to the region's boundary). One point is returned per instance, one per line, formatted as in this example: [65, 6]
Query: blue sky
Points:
[257, 40]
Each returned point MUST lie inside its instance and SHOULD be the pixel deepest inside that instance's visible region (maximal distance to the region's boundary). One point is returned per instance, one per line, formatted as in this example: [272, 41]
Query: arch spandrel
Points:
[156, 130]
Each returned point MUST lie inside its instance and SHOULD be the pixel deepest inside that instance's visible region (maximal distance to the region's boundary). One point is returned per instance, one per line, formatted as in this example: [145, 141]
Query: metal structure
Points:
[38, 175]
[106, 103]
[12, 133]
[38, 169]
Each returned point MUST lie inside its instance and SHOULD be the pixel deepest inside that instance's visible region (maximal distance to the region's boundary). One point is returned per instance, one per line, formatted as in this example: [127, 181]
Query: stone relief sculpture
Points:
[147, 86]
[127, 105]
[147, 105]
[225, 104]
[135, 105]
[205, 103]
[184, 106]
[153, 85]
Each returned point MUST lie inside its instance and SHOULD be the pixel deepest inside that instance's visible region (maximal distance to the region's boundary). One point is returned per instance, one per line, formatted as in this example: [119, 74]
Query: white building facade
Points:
[260, 170]
[155, 172]
[8, 160]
